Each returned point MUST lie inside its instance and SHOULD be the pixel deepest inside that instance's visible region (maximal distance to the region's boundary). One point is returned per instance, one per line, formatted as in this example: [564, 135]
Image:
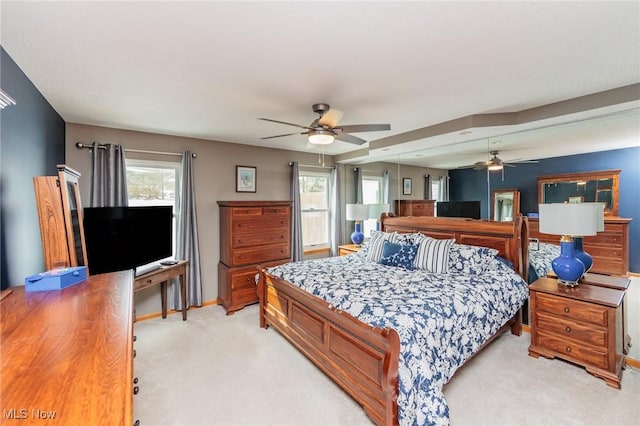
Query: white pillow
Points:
[376, 242]
[433, 255]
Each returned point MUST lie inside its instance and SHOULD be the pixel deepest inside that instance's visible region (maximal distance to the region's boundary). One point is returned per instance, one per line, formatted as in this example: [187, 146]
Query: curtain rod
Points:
[81, 145]
[313, 166]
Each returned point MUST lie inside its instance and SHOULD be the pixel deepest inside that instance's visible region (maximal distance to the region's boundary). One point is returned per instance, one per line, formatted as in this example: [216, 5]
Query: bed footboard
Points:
[362, 359]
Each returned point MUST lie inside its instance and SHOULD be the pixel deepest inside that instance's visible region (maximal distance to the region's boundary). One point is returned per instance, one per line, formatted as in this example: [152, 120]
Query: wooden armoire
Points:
[60, 216]
[252, 233]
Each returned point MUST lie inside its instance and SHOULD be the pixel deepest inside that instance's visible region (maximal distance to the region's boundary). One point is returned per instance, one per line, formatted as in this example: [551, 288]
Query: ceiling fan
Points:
[324, 129]
[496, 163]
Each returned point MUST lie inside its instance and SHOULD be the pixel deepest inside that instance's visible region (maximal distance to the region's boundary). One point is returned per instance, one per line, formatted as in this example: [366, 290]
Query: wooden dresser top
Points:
[69, 352]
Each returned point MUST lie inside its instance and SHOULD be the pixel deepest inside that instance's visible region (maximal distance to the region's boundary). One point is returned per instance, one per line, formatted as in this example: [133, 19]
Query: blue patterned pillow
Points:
[400, 255]
[433, 255]
[413, 238]
[375, 244]
[470, 260]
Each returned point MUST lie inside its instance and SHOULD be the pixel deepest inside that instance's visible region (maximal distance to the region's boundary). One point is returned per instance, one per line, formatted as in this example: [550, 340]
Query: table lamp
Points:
[577, 239]
[568, 219]
[375, 210]
[358, 213]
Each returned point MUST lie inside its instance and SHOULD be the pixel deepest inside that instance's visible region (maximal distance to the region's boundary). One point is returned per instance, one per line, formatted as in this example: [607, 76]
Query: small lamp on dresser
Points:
[357, 213]
[577, 239]
[568, 220]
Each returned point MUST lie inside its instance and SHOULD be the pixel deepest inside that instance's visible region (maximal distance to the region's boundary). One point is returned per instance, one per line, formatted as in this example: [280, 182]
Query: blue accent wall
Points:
[469, 184]
[33, 142]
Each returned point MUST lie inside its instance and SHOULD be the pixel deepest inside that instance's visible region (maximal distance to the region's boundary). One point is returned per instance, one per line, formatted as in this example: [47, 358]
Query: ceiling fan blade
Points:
[331, 118]
[480, 165]
[350, 138]
[284, 122]
[356, 128]
[279, 136]
[508, 165]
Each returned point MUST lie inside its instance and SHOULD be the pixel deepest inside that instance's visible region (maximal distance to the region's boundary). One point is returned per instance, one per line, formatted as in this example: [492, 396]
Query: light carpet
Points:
[215, 369]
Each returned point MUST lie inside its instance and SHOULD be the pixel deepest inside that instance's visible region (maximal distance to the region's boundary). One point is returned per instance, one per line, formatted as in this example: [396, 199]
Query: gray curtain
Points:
[335, 221]
[358, 184]
[108, 176]
[444, 188]
[297, 247]
[187, 247]
[386, 185]
[427, 187]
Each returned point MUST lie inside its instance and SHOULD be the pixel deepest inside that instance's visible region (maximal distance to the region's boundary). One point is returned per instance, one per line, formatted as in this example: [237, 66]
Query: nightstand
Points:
[580, 324]
[348, 249]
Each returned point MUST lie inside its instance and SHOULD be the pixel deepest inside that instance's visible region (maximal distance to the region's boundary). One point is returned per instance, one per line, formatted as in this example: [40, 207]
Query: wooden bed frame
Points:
[362, 359]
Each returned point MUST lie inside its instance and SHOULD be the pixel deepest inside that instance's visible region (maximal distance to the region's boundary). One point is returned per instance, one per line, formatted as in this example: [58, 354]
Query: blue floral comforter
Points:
[540, 257]
[442, 319]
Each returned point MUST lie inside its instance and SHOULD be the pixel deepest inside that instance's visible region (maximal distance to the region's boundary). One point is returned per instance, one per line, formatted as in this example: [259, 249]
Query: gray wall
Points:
[32, 135]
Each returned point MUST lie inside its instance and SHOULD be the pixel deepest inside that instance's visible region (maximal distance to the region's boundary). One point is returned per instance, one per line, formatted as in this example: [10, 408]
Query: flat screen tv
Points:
[120, 238]
[470, 209]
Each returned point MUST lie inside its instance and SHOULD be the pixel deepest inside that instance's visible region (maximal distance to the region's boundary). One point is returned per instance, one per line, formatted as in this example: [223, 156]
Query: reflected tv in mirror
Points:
[120, 238]
[469, 209]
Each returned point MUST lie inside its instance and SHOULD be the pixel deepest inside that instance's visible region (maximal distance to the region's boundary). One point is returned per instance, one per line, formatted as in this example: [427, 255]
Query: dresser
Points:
[348, 249]
[252, 233]
[609, 249]
[582, 324]
[67, 355]
[414, 207]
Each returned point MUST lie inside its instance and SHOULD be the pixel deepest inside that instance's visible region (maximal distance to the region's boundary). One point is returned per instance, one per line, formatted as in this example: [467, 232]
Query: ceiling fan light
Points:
[495, 166]
[320, 137]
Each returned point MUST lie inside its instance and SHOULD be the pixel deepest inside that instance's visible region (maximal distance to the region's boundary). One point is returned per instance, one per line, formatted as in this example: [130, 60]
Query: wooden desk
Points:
[161, 276]
[69, 353]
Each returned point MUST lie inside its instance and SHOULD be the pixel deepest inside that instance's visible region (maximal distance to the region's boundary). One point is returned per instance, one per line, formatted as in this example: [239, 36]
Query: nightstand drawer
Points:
[570, 329]
[573, 309]
[580, 353]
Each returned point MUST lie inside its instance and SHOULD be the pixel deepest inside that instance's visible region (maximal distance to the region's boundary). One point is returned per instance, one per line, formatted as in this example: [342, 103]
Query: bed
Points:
[389, 355]
[540, 257]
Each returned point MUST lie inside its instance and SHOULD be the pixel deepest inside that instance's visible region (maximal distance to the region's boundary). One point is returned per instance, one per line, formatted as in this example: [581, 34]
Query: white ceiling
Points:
[210, 69]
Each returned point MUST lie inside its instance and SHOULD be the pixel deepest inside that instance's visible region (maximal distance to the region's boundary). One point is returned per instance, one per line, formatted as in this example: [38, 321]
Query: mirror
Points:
[505, 205]
[588, 187]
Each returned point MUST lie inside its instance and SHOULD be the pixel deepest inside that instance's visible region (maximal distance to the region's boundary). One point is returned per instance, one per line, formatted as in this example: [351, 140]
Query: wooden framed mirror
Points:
[589, 187]
[505, 205]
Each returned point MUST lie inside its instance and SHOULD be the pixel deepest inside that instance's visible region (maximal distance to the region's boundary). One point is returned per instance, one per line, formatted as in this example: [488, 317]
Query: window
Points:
[314, 204]
[371, 194]
[154, 183]
[435, 190]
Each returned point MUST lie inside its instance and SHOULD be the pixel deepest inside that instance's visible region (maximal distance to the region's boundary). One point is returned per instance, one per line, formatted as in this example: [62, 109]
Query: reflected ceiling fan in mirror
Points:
[495, 163]
[324, 129]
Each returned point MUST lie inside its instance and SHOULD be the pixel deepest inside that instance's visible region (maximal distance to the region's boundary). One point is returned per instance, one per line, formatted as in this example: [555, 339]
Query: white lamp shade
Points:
[579, 219]
[357, 212]
[375, 210]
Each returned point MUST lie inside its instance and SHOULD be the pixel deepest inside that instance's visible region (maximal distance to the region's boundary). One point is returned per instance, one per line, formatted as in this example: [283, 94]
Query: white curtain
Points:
[335, 221]
[444, 188]
[108, 176]
[188, 247]
[297, 247]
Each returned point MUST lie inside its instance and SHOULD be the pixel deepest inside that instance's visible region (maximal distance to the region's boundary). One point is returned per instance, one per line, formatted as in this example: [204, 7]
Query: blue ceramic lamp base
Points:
[567, 267]
[582, 255]
[357, 237]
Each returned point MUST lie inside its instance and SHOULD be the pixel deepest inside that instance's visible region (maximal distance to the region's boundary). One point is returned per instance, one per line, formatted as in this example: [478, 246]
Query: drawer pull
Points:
[149, 280]
[568, 349]
[566, 310]
[568, 329]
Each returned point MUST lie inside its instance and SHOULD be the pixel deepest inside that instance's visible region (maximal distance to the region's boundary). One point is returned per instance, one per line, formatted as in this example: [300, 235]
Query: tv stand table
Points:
[162, 276]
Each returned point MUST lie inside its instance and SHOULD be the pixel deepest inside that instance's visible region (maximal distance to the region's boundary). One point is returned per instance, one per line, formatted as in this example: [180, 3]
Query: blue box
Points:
[56, 279]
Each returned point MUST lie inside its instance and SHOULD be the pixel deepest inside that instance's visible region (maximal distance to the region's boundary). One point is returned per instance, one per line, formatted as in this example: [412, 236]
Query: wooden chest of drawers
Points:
[583, 325]
[251, 233]
[414, 207]
[609, 249]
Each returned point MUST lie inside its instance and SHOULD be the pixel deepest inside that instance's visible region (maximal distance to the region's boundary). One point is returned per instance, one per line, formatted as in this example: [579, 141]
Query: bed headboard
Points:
[509, 238]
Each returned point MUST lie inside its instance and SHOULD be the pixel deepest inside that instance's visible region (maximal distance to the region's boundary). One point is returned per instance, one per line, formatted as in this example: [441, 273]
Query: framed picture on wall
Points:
[406, 186]
[245, 179]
